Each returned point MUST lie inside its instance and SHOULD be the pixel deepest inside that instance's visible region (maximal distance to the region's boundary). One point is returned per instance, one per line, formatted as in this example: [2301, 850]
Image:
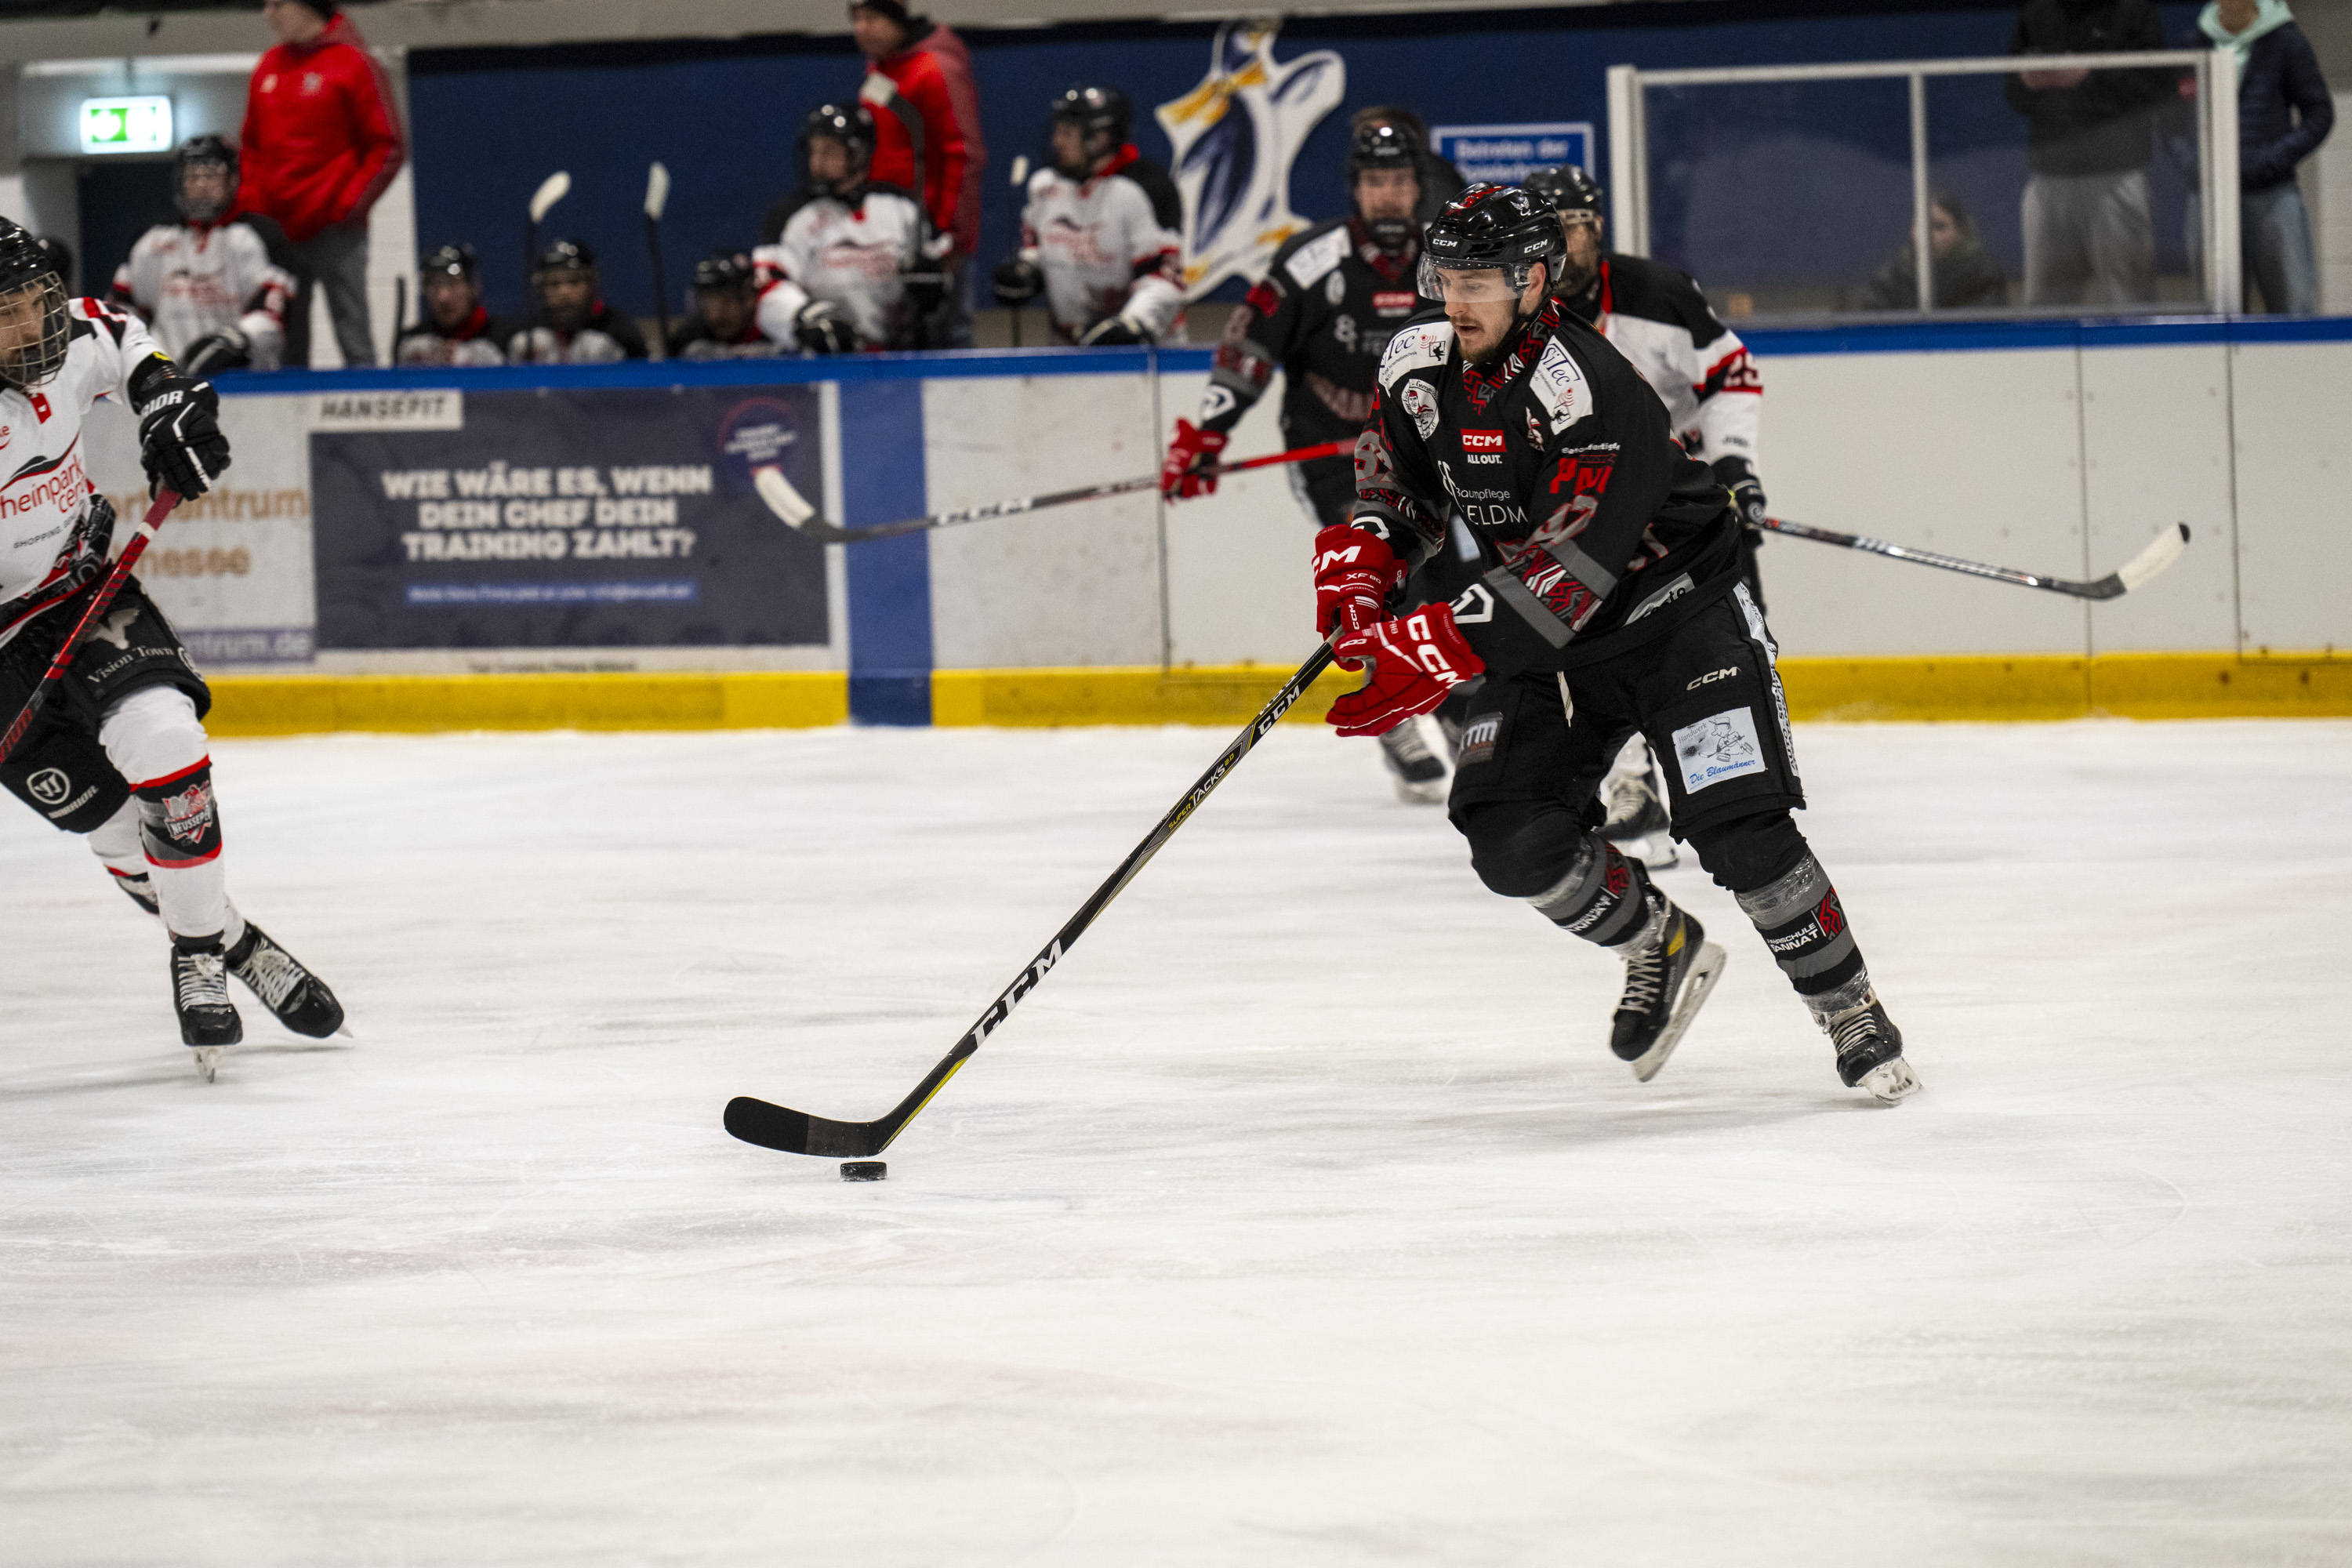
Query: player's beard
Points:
[1576, 278]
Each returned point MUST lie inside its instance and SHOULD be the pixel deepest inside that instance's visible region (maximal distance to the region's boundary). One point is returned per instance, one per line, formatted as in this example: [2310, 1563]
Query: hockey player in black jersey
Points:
[1657, 318]
[1329, 301]
[1612, 603]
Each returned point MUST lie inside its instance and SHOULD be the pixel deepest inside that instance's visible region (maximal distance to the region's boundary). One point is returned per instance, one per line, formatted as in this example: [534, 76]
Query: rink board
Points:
[2061, 448]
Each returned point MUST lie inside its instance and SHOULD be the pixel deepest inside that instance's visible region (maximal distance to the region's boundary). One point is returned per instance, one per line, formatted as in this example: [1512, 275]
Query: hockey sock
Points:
[1604, 898]
[1799, 916]
[153, 738]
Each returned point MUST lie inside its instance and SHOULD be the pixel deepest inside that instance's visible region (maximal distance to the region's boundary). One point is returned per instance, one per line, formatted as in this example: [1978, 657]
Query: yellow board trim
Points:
[1954, 689]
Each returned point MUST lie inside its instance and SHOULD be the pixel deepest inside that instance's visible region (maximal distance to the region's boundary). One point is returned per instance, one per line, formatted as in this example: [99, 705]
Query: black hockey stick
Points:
[793, 508]
[112, 585]
[2162, 551]
[798, 1133]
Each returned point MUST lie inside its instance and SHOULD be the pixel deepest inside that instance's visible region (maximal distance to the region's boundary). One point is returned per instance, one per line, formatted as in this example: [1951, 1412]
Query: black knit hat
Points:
[894, 9]
[325, 9]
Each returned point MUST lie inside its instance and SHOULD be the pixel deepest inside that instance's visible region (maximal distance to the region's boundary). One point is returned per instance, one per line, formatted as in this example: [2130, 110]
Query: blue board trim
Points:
[1893, 337]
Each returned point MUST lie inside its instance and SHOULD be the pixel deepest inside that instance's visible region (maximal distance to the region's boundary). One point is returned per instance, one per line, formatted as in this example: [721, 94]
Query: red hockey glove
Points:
[1189, 451]
[1355, 572]
[1415, 662]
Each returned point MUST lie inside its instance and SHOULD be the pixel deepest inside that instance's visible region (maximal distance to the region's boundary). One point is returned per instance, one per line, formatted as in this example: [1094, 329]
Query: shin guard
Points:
[1804, 926]
[180, 827]
[1605, 898]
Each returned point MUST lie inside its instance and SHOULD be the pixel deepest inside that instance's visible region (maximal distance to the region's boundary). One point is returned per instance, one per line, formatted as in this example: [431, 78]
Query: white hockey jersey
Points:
[48, 485]
[1657, 318]
[1108, 247]
[853, 257]
[189, 282]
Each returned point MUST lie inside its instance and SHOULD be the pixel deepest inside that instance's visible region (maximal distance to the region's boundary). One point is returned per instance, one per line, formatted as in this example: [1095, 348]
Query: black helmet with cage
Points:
[34, 327]
[205, 152]
[1103, 117]
[1378, 147]
[852, 125]
[1491, 227]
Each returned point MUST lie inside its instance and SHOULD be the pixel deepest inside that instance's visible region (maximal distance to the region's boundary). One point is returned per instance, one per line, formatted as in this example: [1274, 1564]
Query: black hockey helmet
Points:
[457, 260]
[1492, 226]
[723, 270]
[1382, 147]
[34, 327]
[1569, 191]
[565, 256]
[212, 152]
[1095, 112]
[853, 127]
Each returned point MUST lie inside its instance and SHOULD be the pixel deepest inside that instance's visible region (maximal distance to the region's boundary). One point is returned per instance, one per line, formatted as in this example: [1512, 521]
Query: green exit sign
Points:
[126, 124]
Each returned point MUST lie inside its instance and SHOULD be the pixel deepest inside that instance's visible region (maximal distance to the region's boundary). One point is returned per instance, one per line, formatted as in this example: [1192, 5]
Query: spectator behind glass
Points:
[320, 143]
[2285, 112]
[1964, 275]
[456, 329]
[2089, 234]
[1441, 182]
[928, 141]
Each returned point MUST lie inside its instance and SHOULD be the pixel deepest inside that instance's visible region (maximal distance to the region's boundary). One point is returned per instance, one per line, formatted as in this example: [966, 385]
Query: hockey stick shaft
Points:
[2161, 553]
[23, 723]
[788, 504]
[796, 1132]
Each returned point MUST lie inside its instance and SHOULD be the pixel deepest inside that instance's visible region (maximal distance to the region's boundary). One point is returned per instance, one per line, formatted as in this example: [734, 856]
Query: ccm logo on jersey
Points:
[1712, 677]
[1482, 446]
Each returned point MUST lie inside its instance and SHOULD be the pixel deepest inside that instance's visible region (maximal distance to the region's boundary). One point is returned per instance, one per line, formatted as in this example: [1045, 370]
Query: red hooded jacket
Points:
[925, 90]
[320, 139]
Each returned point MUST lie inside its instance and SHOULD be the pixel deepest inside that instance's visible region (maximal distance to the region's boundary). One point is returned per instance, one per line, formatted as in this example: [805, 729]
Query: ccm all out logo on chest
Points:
[1482, 446]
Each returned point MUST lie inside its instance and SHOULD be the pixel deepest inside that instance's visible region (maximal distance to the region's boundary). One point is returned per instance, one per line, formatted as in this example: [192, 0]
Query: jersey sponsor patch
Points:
[1420, 403]
[1721, 746]
[1560, 386]
[1481, 447]
[1413, 348]
[1317, 257]
[1335, 292]
[1395, 301]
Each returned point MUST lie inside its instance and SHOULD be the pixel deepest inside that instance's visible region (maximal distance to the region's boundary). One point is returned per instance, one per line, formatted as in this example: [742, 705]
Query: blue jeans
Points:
[2275, 237]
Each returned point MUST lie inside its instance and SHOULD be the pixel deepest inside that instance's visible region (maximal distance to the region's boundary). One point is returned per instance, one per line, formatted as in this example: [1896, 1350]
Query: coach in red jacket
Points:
[927, 123]
[320, 143]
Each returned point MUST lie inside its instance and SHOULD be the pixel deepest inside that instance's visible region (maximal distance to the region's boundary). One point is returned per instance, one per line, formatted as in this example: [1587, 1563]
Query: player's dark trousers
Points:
[1709, 699]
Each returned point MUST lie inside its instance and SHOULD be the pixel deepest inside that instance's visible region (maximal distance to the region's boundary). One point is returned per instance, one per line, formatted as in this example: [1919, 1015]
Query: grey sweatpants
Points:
[335, 259]
[2089, 238]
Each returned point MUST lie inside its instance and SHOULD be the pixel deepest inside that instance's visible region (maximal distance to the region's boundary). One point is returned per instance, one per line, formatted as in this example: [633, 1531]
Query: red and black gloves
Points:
[1189, 451]
[1416, 660]
[1355, 572]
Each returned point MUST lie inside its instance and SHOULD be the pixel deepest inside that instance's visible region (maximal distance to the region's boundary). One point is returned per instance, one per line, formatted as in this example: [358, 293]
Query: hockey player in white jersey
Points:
[205, 285]
[1101, 237]
[119, 754]
[1657, 318]
[844, 274]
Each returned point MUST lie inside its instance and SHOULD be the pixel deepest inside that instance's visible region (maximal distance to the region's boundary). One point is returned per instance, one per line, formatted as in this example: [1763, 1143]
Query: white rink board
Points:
[1299, 1217]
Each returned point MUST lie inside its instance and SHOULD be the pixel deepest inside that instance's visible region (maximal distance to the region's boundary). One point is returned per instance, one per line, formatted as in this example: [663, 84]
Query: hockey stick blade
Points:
[2161, 553]
[793, 1131]
[795, 510]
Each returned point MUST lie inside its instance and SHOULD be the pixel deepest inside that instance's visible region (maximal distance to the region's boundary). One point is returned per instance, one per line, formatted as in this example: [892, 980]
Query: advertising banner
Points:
[1507, 154]
[564, 518]
[232, 567]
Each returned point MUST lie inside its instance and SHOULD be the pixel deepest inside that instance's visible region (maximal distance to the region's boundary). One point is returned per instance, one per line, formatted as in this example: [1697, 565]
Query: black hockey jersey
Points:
[1324, 312]
[1597, 529]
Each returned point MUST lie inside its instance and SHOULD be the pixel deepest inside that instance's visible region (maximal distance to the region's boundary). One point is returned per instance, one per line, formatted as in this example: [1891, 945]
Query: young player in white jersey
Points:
[1657, 318]
[119, 753]
[848, 272]
[206, 286]
[1101, 237]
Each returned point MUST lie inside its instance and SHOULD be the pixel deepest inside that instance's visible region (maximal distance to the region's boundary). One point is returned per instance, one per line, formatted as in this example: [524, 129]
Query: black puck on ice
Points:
[864, 1170]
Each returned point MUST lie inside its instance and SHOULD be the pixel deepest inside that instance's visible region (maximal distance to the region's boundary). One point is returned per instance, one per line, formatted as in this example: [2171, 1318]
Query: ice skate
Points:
[1637, 825]
[1419, 773]
[1870, 1051]
[208, 1020]
[297, 998]
[1667, 983]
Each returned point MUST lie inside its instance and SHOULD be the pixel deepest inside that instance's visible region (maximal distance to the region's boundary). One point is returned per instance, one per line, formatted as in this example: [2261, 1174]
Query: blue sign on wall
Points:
[571, 518]
[1505, 155]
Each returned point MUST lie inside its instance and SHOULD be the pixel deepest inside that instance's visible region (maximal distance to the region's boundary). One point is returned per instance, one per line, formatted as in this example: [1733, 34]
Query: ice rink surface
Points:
[1301, 1217]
